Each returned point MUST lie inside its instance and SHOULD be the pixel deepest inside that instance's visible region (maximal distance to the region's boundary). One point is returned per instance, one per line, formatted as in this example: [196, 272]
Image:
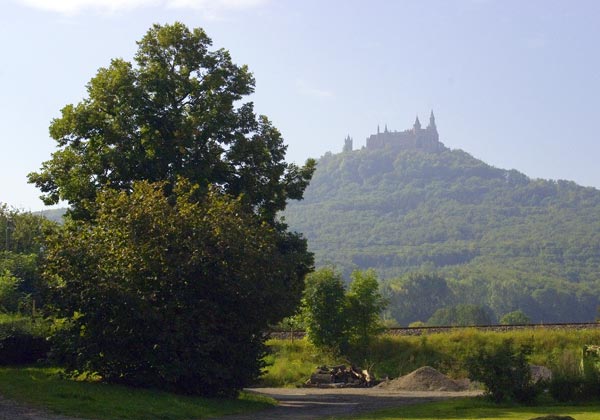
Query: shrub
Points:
[574, 388]
[576, 379]
[515, 318]
[22, 341]
[168, 293]
[504, 371]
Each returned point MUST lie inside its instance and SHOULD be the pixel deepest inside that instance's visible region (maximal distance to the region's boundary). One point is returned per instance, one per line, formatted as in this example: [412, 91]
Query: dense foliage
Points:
[171, 295]
[517, 317]
[175, 113]
[23, 339]
[463, 315]
[340, 321]
[171, 263]
[21, 248]
[504, 371]
[324, 307]
[478, 234]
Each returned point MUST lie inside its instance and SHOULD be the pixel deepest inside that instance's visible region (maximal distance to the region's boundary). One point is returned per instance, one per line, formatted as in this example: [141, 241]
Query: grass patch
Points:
[393, 356]
[289, 363]
[480, 409]
[43, 387]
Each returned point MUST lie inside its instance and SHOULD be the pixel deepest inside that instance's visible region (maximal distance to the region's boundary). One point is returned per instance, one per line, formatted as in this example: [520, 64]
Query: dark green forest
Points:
[444, 228]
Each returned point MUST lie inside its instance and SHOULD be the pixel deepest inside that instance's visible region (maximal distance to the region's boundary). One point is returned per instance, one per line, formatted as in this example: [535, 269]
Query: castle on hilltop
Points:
[417, 138]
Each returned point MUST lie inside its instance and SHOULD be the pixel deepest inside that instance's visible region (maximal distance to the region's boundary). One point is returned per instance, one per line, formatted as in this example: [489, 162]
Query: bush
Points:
[167, 293]
[22, 341]
[574, 388]
[515, 318]
[504, 371]
[575, 379]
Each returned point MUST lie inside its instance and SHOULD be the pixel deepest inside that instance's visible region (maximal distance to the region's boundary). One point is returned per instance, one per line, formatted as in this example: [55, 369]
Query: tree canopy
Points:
[176, 112]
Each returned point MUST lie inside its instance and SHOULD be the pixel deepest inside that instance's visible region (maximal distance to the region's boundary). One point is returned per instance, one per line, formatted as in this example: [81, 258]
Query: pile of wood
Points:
[340, 377]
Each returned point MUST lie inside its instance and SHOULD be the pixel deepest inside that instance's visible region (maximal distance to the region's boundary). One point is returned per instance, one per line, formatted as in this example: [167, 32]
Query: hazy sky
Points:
[515, 83]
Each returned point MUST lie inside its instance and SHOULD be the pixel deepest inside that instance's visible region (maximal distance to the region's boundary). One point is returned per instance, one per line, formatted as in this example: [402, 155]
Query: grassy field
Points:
[479, 409]
[393, 356]
[43, 387]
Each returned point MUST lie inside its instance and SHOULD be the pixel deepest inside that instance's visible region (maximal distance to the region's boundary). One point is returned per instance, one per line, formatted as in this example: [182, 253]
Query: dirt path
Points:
[10, 410]
[300, 404]
[314, 403]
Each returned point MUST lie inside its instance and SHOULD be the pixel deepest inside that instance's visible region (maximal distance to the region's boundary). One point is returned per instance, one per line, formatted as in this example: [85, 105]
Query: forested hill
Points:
[492, 237]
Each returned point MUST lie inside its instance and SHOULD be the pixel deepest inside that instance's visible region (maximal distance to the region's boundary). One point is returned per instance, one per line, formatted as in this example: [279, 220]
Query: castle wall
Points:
[422, 139]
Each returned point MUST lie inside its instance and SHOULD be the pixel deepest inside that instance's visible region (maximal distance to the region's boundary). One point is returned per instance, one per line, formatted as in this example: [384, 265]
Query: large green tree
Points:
[177, 111]
[173, 261]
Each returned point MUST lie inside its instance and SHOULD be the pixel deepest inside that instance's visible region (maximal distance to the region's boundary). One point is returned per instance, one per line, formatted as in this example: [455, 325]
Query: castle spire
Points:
[347, 144]
[386, 130]
[417, 125]
[432, 120]
[377, 128]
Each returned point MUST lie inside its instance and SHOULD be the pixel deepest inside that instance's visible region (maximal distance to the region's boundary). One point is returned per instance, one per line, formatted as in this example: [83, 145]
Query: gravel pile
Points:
[423, 379]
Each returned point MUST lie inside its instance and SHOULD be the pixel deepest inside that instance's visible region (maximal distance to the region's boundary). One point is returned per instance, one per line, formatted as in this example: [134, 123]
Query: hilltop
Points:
[495, 237]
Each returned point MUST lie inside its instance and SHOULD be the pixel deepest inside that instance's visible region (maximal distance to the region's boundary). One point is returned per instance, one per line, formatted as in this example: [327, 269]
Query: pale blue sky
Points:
[515, 83]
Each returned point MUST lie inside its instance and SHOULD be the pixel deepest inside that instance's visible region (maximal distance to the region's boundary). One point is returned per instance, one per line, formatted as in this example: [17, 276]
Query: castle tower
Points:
[432, 121]
[347, 144]
[432, 128]
[417, 125]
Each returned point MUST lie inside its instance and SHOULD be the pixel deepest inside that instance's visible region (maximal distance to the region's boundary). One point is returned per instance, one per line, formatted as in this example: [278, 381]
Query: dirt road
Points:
[300, 404]
[315, 403]
[10, 410]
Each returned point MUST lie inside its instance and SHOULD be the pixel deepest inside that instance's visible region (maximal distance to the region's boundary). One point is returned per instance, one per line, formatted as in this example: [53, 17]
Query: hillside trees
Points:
[461, 315]
[517, 317]
[172, 262]
[497, 237]
[416, 296]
